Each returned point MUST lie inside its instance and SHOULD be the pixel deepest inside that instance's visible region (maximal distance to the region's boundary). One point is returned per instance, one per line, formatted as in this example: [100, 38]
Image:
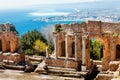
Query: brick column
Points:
[84, 52]
[106, 56]
[83, 49]
[77, 35]
[56, 45]
[66, 46]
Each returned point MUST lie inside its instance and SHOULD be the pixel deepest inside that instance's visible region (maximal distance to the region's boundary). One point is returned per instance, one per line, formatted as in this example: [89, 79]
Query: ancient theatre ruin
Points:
[72, 44]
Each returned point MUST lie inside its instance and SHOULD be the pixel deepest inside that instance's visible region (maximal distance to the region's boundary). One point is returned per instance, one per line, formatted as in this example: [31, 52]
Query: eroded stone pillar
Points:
[66, 46]
[56, 45]
[83, 49]
[47, 53]
[76, 48]
[77, 35]
[84, 52]
[113, 49]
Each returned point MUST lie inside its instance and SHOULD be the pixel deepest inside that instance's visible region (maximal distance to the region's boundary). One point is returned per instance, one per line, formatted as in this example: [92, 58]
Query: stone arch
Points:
[102, 49]
[63, 48]
[113, 47]
[61, 52]
[106, 51]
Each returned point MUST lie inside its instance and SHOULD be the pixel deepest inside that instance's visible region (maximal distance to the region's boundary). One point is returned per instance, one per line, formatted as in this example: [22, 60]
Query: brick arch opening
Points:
[96, 48]
[73, 49]
[63, 49]
[118, 51]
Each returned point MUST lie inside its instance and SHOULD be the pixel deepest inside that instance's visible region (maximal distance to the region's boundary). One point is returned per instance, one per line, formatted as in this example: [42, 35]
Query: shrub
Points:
[39, 46]
[29, 52]
[96, 49]
[58, 28]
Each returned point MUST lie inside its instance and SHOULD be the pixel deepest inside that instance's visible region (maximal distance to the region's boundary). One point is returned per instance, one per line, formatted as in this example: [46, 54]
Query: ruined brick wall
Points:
[9, 42]
[13, 57]
[76, 27]
[113, 27]
[6, 42]
[0, 41]
[14, 42]
[94, 28]
[63, 63]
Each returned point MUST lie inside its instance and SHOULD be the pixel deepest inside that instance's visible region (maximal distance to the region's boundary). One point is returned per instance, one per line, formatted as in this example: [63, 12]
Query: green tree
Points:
[27, 40]
[13, 29]
[96, 49]
[40, 47]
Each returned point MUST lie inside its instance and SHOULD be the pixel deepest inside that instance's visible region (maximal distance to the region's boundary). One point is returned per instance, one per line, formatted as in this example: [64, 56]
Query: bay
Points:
[24, 22]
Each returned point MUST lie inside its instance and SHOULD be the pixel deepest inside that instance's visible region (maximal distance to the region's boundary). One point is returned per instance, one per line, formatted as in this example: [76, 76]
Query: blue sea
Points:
[25, 22]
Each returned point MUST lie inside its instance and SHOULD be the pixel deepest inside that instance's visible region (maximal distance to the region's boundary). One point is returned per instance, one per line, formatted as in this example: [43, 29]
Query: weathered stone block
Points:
[113, 66]
[104, 77]
[63, 63]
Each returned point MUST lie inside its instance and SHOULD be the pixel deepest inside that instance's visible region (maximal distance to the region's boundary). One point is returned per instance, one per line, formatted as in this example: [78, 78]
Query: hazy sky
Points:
[14, 4]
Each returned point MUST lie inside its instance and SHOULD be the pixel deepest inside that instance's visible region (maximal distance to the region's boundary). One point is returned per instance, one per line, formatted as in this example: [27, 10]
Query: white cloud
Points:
[11, 4]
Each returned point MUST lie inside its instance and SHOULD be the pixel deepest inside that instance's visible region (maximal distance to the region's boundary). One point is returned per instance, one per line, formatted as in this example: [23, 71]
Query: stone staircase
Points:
[58, 71]
[66, 72]
[109, 74]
